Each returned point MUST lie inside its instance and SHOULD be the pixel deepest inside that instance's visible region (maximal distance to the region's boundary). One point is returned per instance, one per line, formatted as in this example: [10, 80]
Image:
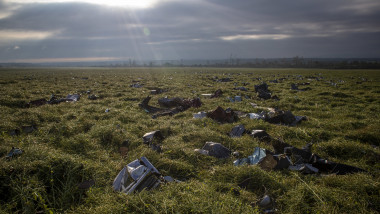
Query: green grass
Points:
[79, 141]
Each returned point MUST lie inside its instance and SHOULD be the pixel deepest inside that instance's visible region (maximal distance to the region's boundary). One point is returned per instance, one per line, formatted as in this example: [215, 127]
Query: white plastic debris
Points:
[199, 115]
[256, 116]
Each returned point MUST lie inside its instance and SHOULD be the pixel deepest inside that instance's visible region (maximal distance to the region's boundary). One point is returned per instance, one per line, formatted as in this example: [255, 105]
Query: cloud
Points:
[12, 35]
[255, 37]
[191, 29]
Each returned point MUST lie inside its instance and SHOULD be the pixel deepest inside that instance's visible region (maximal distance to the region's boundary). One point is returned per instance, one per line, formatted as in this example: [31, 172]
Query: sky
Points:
[107, 30]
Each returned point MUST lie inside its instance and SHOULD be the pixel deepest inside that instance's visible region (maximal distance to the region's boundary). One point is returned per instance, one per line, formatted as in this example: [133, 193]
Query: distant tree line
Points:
[294, 62]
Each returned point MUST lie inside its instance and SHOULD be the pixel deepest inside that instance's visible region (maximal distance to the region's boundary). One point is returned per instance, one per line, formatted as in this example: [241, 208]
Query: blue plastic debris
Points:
[14, 152]
[255, 158]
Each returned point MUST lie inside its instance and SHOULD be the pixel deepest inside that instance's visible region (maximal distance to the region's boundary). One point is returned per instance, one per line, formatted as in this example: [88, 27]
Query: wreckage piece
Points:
[55, 100]
[223, 80]
[29, 129]
[223, 116]
[214, 149]
[72, 97]
[136, 85]
[92, 97]
[153, 139]
[195, 103]
[14, 132]
[237, 131]
[304, 168]
[275, 162]
[305, 156]
[235, 99]
[136, 176]
[261, 87]
[257, 116]
[284, 117]
[264, 94]
[155, 90]
[170, 102]
[261, 135]
[150, 109]
[179, 102]
[157, 112]
[253, 159]
[295, 87]
[200, 115]
[13, 153]
[36, 103]
[217, 93]
[241, 88]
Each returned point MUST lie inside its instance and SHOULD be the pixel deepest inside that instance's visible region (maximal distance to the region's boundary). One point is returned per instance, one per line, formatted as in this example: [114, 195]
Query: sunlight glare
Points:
[114, 3]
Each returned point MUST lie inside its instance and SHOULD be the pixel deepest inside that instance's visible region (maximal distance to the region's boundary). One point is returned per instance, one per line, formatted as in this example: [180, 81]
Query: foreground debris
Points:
[172, 106]
[295, 87]
[223, 116]
[275, 116]
[54, 100]
[217, 93]
[292, 158]
[237, 131]
[13, 153]
[264, 93]
[214, 149]
[153, 139]
[137, 176]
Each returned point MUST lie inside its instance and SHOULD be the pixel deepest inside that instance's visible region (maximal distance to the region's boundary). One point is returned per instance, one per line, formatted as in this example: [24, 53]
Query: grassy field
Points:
[79, 141]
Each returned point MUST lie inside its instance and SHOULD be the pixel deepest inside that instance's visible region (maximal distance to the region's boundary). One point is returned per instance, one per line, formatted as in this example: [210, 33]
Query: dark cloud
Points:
[194, 29]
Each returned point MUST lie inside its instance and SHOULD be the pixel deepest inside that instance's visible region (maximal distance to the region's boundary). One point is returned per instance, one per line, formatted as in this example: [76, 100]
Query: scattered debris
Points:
[153, 139]
[137, 176]
[278, 117]
[223, 79]
[223, 116]
[263, 92]
[200, 115]
[130, 99]
[169, 103]
[217, 93]
[237, 131]
[92, 97]
[241, 88]
[136, 85]
[181, 105]
[214, 149]
[13, 153]
[154, 90]
[14, 132]
[295, 87]
[107, 110]
[235, 99]
[72, 97]
[29, 129]
[36, 103]
[257, 116]
[266, 203]
[206, 95]
[255, 158]
[261, 135]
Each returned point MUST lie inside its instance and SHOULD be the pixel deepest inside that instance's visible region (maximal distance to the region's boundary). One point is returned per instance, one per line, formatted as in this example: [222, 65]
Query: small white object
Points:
[206, 95]
[199, 115]
[256, 116]
[237, 98]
